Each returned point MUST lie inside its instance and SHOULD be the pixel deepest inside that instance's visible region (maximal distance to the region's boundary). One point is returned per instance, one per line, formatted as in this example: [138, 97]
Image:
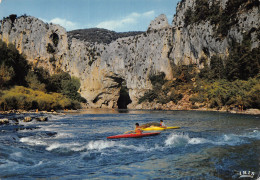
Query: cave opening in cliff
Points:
[55, 39]
[124, 98]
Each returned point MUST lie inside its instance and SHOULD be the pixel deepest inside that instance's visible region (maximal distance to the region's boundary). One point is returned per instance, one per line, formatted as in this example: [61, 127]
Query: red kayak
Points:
[132, 135]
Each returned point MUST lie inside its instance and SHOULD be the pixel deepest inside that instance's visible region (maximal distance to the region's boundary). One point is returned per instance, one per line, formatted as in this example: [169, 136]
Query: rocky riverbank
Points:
[188, 106]
[17, 118]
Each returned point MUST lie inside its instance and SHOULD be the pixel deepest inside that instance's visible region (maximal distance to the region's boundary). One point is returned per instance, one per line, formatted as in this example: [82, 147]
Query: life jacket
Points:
[162, 124]
[138, 131]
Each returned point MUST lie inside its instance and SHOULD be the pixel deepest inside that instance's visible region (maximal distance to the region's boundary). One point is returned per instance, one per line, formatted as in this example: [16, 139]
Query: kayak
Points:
[132, 135]
[156, 128]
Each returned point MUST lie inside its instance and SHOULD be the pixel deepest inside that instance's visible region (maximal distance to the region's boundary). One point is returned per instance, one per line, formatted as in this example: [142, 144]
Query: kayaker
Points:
[138, 129]
[162, 124]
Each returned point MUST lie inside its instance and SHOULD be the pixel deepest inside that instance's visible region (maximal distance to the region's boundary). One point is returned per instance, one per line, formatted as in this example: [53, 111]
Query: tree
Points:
[201, 10]
[243, 62]
[217, 70]
[13, 17]
[33, 82]
[55, 82]
[70, 88]
[6, 74]
[12, 59]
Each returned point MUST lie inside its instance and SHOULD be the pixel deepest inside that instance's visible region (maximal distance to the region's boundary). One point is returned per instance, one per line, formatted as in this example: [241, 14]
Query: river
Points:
[209, 145]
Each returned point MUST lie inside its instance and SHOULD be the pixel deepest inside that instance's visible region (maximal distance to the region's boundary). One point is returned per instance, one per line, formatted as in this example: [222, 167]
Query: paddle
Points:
[127, 132]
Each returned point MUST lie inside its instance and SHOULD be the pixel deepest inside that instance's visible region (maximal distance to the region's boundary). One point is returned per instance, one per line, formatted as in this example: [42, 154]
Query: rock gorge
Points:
[128, 62]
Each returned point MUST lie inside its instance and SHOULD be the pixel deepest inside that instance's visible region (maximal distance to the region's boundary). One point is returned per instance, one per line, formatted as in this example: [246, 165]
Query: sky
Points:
[116, 15]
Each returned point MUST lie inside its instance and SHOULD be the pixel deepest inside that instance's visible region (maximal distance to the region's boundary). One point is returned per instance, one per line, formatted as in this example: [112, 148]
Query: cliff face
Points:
[31, 37]
[102, 68]
[215, 31]
[129, 61]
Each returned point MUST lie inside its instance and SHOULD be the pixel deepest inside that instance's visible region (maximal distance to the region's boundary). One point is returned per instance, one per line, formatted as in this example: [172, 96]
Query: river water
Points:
[209, 145]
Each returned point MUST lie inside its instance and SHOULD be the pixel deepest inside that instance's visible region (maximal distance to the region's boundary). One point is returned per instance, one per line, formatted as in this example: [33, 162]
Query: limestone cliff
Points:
[203, 37]
[104, 68]
[128, 61]
[32, 36]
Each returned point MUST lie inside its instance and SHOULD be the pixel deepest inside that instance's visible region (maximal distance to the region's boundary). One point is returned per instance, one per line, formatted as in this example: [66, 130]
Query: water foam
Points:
[32, 141]
[102, 145]
[225, 139]
[237, 139]
[17, 154]
[92, 145]
[183, 139]
[99, 145]
[96, 146]
[229, 139]
[62, 145]
[63, 135]
[254, 134]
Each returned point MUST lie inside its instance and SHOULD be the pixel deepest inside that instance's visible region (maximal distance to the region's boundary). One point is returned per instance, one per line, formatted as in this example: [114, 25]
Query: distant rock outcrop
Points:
[97, 35]
[160, 22]
[107, 62]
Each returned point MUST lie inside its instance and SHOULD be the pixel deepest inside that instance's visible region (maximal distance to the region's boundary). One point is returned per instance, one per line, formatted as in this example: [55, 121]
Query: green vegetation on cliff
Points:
[223, 82]
[97, 35]
[25, 87]
[224, 19]
[219, 93]
[13, 66]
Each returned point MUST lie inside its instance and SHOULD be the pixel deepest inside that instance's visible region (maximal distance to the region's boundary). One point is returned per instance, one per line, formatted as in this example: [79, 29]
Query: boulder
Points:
[42, 118]
[27, 119]
[4, 121]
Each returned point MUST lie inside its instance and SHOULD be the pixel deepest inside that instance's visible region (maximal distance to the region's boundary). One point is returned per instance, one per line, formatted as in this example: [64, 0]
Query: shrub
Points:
[201, 97]
[239, 92]
[50, 48]
[202, 12]
[184, 73]
[148, 96]
[175, 97]
[24, 98]
[194, 107]
[158, 79]
[13, 17]
[33, 81]
[6, 74]
[188, 17]
[52, 59]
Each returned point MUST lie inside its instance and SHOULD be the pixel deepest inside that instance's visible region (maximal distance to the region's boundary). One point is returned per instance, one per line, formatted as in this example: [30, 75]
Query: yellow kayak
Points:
[156, 128]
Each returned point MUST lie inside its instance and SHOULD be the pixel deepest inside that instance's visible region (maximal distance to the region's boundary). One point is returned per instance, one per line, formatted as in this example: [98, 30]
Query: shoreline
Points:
[63, 112]
[20, 111]
[246, 112]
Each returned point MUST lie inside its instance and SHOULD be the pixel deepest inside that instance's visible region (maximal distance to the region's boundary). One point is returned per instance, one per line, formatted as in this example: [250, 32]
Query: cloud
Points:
[0, 1]
[129, 23]
[132, 22]
[68, 25]
[65, 23]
